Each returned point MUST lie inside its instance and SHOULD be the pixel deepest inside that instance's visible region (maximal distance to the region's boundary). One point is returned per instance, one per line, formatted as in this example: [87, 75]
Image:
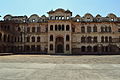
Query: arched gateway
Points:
[59, 45]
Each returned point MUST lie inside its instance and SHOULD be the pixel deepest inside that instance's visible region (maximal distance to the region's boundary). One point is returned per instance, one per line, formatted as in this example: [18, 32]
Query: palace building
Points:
[60, 33]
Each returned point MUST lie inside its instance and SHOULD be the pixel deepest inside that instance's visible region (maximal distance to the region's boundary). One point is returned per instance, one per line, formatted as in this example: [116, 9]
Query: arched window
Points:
[110, 39]
[38, 47]
[102, 29]
[2, 27]
[8, 27]
[78, 20]
[17, 29]
[89, 29]
[63, 27]
[88, 19]
[32, 47]
[112, 19]
[106, 29]
[28, 39]
[18, 39]
[68, 17]
[51, 37]
[63, 17]
[83, 49]
[33, 29]
[28, 29]
[83, 29]
[67, 47]
[59, 27]
[83, 39]
[106, 39]
[67, 28]
[4, 38]
[33, 39]
[60, 17]
[8, 38]
[15, 39]
[89, 39]
[51, 17]
[67, 38]
[56, 27]
[95, 28]
[56, 17]
[38, 39]
[102, 39]
[89, 49]
[51, 27]
[33, 20]
[95, 39]
[109, 29]
[106, 48]
[38, 29]
[12, 39]
[95, 49]
[51, 47]
[27, 48]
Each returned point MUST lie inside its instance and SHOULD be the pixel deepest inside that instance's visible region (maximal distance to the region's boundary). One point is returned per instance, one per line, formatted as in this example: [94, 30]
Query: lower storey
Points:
[82, 50]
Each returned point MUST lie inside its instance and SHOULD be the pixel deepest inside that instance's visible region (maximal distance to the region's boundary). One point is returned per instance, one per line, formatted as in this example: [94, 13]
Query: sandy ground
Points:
[56, 67]
[60, 59]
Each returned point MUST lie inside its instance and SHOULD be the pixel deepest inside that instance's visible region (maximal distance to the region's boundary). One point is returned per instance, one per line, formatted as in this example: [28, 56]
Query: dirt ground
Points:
[61, 59]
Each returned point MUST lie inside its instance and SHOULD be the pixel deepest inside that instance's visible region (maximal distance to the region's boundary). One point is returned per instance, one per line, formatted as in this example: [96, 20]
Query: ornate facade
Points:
[60, 33]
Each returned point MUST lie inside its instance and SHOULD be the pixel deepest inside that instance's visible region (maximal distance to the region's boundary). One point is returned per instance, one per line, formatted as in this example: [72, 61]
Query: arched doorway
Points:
[59, 45]
[59, 48]
[83, 49]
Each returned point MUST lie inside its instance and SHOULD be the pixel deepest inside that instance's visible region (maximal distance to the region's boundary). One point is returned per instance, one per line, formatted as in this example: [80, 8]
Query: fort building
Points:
[60, 33]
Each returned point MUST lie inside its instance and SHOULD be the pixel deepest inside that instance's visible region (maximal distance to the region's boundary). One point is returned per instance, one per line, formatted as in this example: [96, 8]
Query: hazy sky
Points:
[40, 7]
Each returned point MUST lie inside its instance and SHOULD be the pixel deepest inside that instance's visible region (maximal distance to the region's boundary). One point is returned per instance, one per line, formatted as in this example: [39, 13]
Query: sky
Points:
[41, 7]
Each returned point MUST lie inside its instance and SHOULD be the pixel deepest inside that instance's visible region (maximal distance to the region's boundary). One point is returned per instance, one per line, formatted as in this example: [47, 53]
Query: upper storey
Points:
[61, 14]
[15, 18]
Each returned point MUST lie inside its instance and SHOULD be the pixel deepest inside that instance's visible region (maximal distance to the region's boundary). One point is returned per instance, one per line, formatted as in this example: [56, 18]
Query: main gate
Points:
[59, 45]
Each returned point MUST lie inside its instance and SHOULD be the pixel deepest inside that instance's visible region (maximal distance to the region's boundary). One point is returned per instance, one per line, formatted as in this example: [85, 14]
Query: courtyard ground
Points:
[62, 59]
[60, 67]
